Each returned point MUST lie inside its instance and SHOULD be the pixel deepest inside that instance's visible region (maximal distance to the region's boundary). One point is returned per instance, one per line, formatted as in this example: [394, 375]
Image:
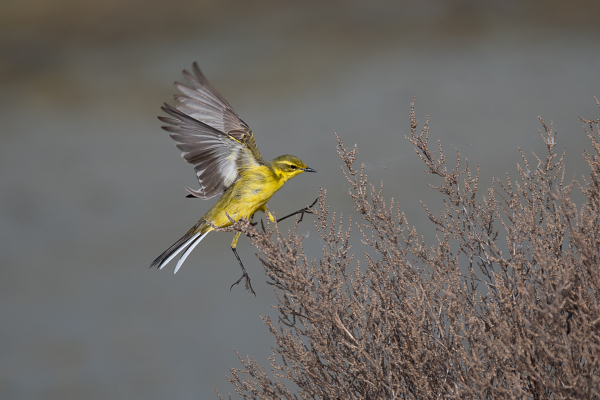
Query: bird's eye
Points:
[292, 166]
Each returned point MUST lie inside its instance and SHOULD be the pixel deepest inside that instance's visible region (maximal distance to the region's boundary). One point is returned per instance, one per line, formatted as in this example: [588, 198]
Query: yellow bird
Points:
[222, 149]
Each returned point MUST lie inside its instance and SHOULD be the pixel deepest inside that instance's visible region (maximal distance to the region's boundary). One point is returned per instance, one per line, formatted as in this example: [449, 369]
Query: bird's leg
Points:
[306, 209]
[244, 273]
[252, 219]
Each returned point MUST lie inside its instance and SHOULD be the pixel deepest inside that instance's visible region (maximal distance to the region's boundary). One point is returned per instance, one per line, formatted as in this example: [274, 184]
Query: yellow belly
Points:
[246, 196]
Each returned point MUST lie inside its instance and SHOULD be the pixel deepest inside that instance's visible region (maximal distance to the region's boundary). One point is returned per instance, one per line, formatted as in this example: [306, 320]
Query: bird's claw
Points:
[306, 209]
[248, 285]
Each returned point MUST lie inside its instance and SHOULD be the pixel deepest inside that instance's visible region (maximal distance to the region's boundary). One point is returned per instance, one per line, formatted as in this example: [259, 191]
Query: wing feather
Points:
[209, 134]
[212, 153]
[204, 103]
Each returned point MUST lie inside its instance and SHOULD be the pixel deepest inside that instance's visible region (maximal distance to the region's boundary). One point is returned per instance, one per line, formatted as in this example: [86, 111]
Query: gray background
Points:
[92, 190]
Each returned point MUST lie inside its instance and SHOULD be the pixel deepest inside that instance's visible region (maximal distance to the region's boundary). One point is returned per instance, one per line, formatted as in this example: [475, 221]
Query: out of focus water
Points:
[92, 190]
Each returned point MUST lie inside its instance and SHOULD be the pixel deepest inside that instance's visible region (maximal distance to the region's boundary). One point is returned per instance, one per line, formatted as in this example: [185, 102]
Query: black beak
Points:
[309, 169]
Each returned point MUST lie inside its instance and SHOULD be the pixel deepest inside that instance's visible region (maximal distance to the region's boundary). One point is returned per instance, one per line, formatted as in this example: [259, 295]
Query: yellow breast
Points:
[249, 193]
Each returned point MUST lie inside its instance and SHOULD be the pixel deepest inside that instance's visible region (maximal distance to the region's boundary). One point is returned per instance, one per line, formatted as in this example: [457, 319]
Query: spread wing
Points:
[209, 134]
[212, 153]
[203, 102]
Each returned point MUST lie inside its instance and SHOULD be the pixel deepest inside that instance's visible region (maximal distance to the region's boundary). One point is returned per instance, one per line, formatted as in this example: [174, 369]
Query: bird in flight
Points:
[222, 149]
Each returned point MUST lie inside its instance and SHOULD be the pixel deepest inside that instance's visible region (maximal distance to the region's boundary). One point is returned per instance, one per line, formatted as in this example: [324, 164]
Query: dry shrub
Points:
[459, 319]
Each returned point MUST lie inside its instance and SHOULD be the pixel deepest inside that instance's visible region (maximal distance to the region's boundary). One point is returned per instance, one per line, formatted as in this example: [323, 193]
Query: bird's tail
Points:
[190, 239]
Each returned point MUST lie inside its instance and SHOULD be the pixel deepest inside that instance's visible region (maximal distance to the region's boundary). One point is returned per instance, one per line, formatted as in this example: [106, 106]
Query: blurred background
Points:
[92, 190]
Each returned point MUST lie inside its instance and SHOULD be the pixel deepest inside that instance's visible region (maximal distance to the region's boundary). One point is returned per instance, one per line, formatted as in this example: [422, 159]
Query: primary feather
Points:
[210, 135]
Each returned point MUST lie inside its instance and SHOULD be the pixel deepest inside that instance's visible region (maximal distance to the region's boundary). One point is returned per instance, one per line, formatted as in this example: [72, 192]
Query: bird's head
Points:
[289, 166]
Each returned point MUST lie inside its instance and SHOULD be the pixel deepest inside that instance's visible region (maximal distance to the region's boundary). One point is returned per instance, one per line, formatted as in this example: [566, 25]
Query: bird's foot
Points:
[248, 285]
[244, 274]
[307, 209]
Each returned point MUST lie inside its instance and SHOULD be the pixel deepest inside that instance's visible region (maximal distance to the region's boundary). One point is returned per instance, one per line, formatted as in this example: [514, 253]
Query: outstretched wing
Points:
[203, 102]
[210, 135]
[213, 154]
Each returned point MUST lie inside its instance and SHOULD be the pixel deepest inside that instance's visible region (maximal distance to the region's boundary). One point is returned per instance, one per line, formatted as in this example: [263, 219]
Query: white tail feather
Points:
[166, 261]
[188, 251]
